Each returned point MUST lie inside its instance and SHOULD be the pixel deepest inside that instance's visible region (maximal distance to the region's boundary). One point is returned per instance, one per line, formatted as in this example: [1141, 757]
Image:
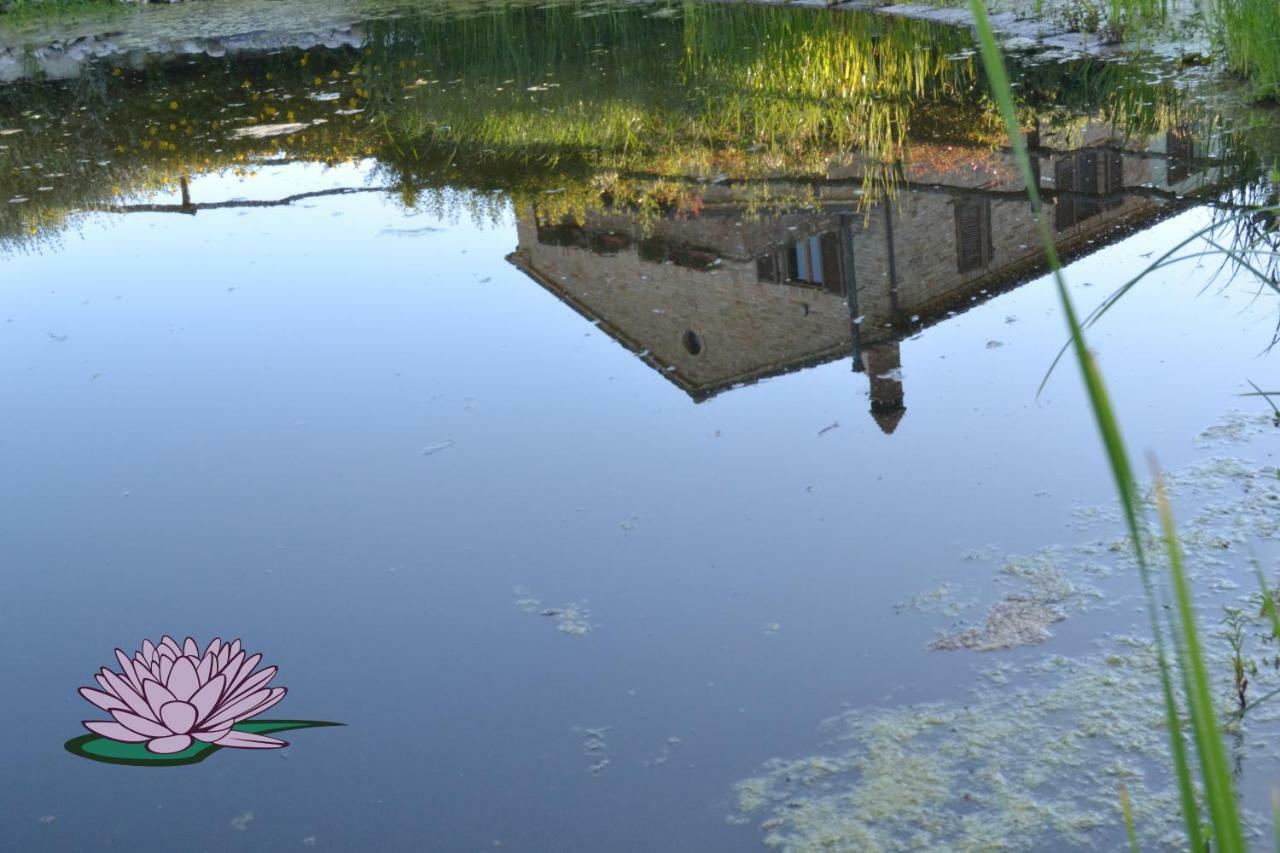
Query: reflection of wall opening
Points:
[692, 342]
[1086, 173]
[974, 246]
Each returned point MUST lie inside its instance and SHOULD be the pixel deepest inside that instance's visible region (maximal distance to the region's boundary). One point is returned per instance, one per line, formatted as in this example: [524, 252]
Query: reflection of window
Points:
[810, 262]
[973, 233]
[1086, 175]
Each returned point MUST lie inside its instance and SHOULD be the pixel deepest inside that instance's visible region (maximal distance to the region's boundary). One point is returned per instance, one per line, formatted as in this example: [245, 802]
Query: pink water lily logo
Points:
[173, 704]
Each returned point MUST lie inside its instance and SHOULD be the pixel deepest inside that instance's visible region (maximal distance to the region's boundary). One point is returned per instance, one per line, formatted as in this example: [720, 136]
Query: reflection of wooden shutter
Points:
[832, 280]
[1087, 166]
[767, 269]
[973, 233]
[1177, 145]
[1114, 179]
[1064, 181]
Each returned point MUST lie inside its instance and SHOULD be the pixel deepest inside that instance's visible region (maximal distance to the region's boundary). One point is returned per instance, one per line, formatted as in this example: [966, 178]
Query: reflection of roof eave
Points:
[520, 262]
[697, 393]
[1015, 275]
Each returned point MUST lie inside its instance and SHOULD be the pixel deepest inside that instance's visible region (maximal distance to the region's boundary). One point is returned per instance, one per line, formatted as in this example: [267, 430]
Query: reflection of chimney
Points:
[883, 363]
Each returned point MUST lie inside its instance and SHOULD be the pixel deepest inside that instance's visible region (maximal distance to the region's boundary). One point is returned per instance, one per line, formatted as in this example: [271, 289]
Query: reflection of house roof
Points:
[698, 392]
[911, 262]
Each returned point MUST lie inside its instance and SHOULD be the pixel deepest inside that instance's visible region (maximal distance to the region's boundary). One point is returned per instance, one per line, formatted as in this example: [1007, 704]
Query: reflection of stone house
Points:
[722, 299]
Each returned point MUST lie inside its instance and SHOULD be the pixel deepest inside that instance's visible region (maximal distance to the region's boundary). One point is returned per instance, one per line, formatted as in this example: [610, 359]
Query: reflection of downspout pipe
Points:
[850, 289]
[893, 267]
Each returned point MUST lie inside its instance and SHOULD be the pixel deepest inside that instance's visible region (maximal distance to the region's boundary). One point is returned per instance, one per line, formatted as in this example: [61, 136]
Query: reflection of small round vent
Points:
[692, 342]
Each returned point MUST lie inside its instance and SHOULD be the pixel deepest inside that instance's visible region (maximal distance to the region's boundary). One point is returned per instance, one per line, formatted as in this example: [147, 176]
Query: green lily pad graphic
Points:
[97, 748]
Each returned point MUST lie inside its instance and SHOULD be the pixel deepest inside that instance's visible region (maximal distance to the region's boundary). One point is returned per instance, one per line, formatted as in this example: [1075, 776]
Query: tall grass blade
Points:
[1214, 770]
[1108, 427]
[1126, 809]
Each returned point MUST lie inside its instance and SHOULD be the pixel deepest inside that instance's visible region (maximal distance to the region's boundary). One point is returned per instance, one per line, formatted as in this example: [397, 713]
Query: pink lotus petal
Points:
[190, 649]
[141, 725]
[206, 698]
[114, 731]
[204, 669]
[166, 666]
[172, 645]
[234, 682]
[248, 740]
[235, 647]
[214, 645]
[233, 667]
[240, 709]
[105, 701]
[148, 651]
[178, 717]
[131, 698]
[126, 670]
[257, 681]
[182, 681]
[274, 695]
[213, 736]
[157, 696]
[224, 655]
[170, 744]
[100, 677]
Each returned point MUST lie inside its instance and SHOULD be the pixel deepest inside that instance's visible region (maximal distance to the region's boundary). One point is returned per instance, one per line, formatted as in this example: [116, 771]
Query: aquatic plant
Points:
[168, 696]
[1226, 826]
[1249, 32]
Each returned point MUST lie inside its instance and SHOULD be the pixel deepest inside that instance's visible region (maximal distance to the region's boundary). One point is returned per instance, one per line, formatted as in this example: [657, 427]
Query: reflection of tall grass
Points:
[1187, 667]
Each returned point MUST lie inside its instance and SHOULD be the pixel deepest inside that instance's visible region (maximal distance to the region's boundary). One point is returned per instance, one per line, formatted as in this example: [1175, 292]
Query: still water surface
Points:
[566, 409]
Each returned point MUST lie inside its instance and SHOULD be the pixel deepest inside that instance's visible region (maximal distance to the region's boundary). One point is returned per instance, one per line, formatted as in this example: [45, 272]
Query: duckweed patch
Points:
[1009, 769]
[1033, 757]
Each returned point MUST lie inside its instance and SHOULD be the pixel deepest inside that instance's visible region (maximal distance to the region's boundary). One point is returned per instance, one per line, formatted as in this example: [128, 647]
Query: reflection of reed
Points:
[576, 108]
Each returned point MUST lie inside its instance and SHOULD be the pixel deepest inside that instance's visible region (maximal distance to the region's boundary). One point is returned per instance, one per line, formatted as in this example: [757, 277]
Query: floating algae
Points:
[1034, 756]
[1021, 618]
[1008, 769]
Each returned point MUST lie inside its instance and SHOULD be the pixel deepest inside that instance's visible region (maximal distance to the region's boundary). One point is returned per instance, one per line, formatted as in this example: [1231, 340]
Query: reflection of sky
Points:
[231, 439]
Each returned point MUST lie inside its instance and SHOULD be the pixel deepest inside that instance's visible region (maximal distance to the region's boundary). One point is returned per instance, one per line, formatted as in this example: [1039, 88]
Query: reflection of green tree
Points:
[627, 105]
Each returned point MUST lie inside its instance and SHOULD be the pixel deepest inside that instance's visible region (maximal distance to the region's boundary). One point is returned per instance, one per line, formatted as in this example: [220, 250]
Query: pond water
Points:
[583, 403]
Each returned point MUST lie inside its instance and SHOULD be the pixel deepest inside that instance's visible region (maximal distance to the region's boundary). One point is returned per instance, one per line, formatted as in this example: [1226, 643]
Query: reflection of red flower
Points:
[168, 696]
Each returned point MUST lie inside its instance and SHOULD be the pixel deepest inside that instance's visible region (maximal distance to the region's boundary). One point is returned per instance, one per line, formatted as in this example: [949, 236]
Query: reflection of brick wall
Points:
[746, 327]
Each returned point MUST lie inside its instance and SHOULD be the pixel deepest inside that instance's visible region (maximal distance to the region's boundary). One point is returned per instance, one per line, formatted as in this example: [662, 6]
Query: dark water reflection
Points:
[288, 358]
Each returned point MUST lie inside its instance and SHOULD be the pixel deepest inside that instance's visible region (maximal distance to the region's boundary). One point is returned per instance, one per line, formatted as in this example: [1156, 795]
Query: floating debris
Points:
[573, 619]
[410, 232]
[431, 449]
[828, 428]
[664, 754]
[595, 748]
